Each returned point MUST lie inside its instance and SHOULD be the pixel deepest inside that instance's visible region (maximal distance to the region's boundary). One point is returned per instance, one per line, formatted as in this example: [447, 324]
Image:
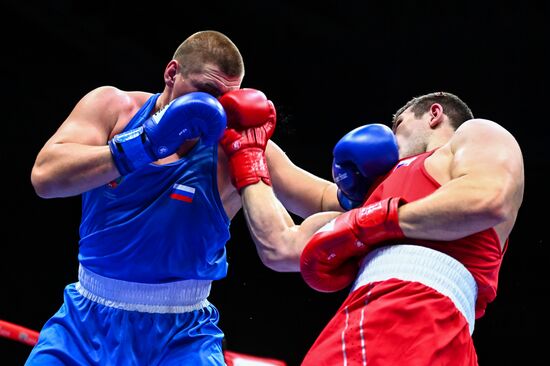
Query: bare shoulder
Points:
[483, 132]
[112, 99]
[114, 106]
[480, 141]
[481, 127]
[106, 95]
[101, 113]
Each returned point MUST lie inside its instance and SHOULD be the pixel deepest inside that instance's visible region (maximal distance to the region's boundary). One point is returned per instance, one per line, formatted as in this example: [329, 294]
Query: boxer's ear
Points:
[436, 115]
[170, 73]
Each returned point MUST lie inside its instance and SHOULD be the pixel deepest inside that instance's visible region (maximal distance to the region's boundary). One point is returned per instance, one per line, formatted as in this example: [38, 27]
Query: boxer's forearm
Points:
[271, 228]
[68, 169]
[279, 241]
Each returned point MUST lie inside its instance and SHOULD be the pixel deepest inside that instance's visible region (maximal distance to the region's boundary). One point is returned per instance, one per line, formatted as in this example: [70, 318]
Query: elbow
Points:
[273, 261]
[500, 213]
[496, 208]
[280, 260]
[43, 186]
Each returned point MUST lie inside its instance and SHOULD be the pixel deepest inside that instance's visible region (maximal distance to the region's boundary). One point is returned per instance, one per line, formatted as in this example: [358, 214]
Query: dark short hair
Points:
[457, 111]
[212, 47]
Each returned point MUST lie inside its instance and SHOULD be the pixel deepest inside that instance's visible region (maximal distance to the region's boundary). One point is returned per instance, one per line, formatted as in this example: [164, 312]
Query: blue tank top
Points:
[161, 223]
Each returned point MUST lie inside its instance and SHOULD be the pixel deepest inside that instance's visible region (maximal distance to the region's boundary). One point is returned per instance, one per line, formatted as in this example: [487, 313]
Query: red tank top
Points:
[480, 253]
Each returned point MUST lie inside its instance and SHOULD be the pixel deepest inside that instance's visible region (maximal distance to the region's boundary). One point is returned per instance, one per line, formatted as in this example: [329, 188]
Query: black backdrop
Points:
[328, 67]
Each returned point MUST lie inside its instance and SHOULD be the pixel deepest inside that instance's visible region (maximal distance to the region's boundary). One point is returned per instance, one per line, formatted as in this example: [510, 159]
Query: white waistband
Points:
[172, 297]
[420, 264]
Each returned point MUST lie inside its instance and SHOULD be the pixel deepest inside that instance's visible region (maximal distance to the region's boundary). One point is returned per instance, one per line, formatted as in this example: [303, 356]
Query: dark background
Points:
[329, 67]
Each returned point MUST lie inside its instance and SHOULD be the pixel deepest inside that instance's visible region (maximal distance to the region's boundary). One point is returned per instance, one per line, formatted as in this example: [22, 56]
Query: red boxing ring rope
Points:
[30, 337]
[18, 333]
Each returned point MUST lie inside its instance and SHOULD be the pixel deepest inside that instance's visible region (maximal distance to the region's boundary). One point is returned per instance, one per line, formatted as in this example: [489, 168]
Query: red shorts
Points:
[394, 322]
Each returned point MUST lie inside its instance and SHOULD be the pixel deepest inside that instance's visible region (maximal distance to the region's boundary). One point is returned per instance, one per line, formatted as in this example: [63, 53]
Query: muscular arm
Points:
[77, 158]
[300, 192]
[279, 241]
[485, 187]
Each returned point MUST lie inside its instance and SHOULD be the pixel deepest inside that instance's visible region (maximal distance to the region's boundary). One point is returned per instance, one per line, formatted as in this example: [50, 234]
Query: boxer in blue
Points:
[158, 193]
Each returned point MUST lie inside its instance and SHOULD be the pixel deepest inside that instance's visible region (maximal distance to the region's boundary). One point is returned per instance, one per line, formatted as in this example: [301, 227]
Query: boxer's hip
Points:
[171, 297]
[429, 267]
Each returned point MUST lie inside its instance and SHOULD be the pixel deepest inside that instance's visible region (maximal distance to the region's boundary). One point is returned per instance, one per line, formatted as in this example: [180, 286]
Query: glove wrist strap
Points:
[249, 166]
[129, 150]
[379, 221]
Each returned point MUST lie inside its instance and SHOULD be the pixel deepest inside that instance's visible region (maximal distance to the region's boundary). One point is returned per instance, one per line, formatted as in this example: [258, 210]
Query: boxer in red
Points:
[421, 253]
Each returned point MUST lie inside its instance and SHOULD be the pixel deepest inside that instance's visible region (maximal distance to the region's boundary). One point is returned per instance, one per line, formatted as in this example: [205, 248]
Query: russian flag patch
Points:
[405, 162]
[182, 193]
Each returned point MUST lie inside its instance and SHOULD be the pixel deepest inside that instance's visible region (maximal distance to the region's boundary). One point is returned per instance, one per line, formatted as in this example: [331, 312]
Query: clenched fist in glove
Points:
[196, 114]
[330, 259]
[360, 157]
[251, 120]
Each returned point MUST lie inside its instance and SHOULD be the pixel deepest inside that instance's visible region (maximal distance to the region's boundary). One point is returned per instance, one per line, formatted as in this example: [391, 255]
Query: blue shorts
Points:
[86, 331]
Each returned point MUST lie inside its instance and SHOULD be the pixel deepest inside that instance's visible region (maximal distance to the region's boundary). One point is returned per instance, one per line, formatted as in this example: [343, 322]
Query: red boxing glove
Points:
[330, 260]
[251, 120]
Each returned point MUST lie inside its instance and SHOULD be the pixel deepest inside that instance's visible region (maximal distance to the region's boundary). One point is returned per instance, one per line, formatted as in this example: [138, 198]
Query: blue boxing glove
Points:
[360, 157]
[192, 115]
